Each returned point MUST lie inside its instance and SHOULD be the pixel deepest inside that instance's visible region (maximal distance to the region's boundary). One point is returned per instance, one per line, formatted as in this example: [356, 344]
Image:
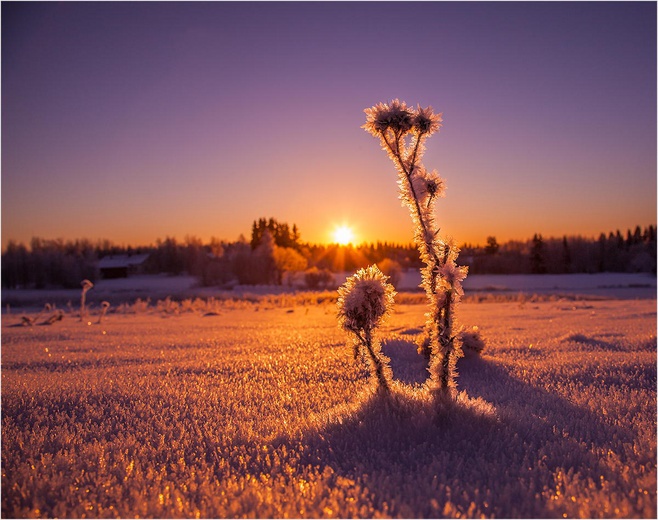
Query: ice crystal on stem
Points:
[402, 132]
[364, 301]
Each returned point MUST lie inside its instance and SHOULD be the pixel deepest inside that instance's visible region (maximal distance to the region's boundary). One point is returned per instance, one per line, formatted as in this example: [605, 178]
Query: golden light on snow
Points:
[276, 402]
[343, 235]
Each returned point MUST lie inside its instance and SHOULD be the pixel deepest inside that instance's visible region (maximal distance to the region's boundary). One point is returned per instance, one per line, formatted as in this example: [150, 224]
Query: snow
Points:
[116, 291]
[603, 285]
[260, 409]
[616, 285]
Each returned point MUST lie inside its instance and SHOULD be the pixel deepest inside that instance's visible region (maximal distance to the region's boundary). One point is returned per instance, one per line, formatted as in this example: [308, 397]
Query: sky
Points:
[137, 121]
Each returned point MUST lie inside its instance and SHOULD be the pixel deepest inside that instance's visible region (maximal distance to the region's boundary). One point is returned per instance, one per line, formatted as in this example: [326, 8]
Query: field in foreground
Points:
[261, 411]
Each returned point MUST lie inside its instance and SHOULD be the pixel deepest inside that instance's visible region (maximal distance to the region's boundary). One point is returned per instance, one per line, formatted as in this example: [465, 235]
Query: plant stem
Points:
[379, 367]
[407, 174]
[442, 315]
[445, 340]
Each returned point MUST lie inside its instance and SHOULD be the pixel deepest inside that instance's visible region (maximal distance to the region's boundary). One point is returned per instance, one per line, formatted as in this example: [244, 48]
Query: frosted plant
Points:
[402, 132]
[364, 301]
[57, 315]
[472, 342]
[86, 285]
[28, 321]
[105, 305]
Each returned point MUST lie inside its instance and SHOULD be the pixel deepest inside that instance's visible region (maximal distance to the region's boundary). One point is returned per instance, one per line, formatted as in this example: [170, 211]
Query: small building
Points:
[121, 266]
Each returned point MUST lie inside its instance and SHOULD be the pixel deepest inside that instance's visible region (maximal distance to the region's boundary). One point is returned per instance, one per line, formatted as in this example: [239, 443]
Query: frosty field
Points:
[260, 410]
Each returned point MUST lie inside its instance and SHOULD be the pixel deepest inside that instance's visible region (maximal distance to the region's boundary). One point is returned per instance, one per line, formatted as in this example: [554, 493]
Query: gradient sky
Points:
[134, 122]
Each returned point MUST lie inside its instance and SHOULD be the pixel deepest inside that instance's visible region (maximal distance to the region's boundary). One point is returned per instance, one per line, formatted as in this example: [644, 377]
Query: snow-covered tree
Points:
[288, 260]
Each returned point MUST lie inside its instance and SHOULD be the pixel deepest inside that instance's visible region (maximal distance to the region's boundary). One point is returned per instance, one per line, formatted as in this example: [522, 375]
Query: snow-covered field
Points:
[497, 287]
[603, 285]
[259, 410]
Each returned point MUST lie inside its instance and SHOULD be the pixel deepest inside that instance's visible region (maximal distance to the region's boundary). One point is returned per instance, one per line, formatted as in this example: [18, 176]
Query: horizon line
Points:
[362, 243]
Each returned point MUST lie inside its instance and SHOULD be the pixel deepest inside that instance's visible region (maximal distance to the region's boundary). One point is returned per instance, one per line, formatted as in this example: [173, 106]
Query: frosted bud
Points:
[426, 185]
[394, 116]
[364, 300]
[425, 122]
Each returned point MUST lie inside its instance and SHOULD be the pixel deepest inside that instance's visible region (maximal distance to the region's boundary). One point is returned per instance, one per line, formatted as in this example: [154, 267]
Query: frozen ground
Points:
[602, 285]
[259, 410]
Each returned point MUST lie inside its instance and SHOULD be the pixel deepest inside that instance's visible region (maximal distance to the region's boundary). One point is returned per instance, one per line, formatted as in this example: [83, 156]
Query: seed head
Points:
[364, 300]
[427, 185]
[394, 116]
[426, 122]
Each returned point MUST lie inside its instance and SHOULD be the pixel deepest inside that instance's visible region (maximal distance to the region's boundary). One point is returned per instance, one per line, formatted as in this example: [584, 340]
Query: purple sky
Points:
[134, 122]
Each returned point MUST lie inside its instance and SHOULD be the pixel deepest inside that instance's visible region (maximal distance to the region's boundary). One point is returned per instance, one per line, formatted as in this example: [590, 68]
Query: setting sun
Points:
[343, 235]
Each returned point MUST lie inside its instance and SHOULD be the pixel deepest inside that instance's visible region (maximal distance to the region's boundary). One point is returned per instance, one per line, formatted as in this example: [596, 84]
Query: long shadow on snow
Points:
[415, 456]
[534, 412]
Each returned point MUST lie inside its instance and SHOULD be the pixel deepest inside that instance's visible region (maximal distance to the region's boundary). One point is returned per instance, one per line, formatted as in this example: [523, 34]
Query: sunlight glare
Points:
[343, 235]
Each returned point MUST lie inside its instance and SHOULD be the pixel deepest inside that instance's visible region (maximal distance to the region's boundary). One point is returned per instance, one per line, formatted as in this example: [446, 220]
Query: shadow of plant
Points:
[509, 450]
[592, 343]
[407, 365]
[533, 410]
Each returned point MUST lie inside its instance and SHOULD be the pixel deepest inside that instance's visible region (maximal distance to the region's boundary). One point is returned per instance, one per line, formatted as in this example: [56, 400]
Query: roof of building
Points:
[116, 261]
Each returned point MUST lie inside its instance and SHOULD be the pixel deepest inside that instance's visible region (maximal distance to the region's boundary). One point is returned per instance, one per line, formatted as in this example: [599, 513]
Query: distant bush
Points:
[315, 278]
[288, 261]
[392, 269]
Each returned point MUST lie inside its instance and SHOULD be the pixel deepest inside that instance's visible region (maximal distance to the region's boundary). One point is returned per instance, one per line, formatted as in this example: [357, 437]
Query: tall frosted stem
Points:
[402, 132]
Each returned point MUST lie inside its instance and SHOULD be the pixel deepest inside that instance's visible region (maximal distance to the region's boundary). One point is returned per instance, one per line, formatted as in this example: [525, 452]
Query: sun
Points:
[343, 235]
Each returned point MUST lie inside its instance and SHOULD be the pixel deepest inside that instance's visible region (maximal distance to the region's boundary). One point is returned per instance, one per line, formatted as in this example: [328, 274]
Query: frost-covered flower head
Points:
[364, 300]
[86, 285]
[427, 185]
[426, 122]
[399, 118]
[395, 116]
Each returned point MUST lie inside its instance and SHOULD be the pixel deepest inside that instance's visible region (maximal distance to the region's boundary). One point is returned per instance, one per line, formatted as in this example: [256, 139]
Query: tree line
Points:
[275, 254]
[634, 251]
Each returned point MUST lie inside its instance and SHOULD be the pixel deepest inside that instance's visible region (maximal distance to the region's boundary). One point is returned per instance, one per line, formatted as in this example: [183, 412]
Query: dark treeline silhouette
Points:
[282, 233]
[633, 252]
[53, 262]
[275, 254]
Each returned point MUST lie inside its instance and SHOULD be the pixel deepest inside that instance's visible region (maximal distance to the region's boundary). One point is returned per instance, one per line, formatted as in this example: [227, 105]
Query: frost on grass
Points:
[263, 413]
